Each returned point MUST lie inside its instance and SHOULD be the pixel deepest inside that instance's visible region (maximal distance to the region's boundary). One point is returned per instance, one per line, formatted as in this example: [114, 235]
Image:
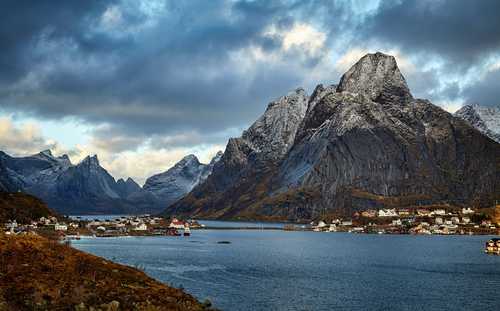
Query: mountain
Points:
[485, 119]
[87, 188]
[364, 143]
[7, 184]
[180, 179]
[127, 187]
[82, 188]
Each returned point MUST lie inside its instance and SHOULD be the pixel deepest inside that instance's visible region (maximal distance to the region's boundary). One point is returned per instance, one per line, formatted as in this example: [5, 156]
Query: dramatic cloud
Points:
[25, 139]
[486, 90]
[458, 31]
[161, 75]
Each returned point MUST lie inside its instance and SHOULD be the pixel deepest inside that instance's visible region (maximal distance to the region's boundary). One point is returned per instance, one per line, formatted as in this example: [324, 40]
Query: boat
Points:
[187, 231]
[172, 232]
[492, 246]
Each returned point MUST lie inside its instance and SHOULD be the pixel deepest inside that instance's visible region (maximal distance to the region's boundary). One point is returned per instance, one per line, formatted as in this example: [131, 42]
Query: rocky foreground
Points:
[41, 274]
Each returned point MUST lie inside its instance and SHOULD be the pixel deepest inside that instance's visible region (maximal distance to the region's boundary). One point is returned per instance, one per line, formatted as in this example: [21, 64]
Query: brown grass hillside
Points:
[40, 274]
[22, 207]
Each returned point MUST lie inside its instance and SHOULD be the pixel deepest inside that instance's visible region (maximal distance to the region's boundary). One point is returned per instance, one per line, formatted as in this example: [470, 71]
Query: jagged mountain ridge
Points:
[180, 179]
[485, 119]
[364, 143]
[84, 188]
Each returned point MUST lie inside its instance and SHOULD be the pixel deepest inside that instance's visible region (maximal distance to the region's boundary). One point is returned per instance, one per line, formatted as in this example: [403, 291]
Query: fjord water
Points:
[279, 270]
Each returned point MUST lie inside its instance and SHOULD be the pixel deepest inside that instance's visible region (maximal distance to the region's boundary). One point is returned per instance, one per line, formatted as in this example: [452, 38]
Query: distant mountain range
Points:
[364, 143]
[87, 188]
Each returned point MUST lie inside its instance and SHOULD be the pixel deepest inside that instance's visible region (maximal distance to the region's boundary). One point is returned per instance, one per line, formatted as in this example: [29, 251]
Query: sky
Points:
[144, 83]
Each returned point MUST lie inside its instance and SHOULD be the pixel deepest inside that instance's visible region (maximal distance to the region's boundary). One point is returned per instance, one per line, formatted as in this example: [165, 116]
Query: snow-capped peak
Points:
[485, 119]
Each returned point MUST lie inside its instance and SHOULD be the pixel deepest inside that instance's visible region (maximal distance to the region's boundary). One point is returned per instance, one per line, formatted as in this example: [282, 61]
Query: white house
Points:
[347, 223]
[396, 222]
[440, 212]
[467, 210]
[60, 227]
[465, 220]
[439, 220]
[387, 212]
[177, 224]
[141, 227]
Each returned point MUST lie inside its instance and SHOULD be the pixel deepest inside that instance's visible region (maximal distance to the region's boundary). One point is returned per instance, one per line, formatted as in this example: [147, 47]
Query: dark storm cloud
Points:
[22, 22]
[459, 31]
[177, 74]
[485, 91]
[153, 72]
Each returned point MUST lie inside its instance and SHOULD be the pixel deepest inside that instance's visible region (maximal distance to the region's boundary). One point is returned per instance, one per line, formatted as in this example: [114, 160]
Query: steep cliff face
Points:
[485, 119]
[249, 157]
[365, 143]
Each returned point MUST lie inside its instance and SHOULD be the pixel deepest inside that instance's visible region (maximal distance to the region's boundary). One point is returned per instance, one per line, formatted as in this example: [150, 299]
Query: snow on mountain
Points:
[174, 183]
[485, 119]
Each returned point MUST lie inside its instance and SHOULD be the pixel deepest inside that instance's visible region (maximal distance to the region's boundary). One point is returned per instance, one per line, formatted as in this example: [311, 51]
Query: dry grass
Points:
[41, 274]
[22, 207]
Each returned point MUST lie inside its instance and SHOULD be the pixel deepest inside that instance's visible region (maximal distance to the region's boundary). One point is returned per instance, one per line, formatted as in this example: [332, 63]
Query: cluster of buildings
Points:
[413, 221]
[138, 225]
[44, 223]
[120, 226]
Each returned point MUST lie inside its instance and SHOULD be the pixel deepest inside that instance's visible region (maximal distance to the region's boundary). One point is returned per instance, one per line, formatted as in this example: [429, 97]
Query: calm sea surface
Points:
[278, 270]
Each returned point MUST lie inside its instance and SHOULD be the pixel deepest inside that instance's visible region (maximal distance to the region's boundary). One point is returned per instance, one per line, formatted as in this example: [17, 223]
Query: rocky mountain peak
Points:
[378, 77]
[274, 132]
[46, 152]
[485, 119]
[216, 158]
[188, 160]
[91, 160]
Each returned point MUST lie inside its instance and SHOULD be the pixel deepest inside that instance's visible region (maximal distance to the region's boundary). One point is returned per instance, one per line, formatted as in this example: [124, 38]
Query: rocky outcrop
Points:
[366, 143]
[485, 119]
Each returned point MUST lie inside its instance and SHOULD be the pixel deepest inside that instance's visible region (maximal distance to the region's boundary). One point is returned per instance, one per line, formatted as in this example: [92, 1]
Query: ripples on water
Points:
[278, 270]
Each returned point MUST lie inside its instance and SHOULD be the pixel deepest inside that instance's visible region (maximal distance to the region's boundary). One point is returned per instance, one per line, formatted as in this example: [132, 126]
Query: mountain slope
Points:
[40, 274]
[126, 188]
[171, 185]
[22, 207]
[366, 143]
[485, 119]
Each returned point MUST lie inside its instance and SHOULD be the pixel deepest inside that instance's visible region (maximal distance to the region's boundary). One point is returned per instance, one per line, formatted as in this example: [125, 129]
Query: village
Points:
[413, 221]
[74, 228]
[423, 221]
